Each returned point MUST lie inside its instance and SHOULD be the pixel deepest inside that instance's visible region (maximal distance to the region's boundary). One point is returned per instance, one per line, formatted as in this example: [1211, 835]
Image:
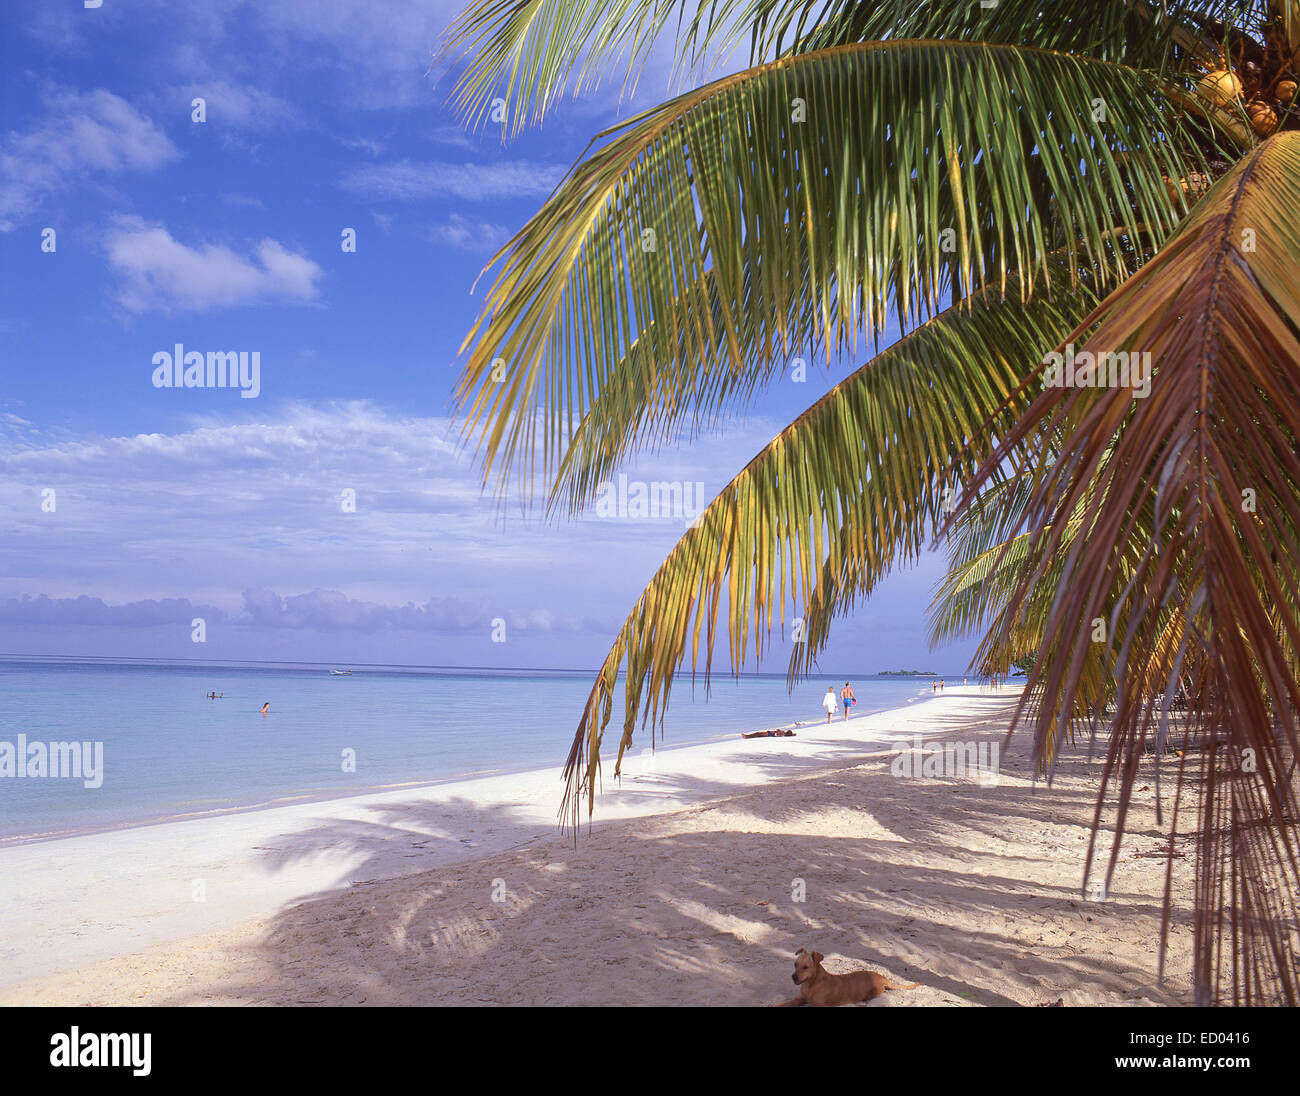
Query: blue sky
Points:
[224, 235]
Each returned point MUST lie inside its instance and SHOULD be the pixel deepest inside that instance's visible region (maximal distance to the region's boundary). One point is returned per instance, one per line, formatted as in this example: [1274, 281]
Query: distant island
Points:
[907, 673]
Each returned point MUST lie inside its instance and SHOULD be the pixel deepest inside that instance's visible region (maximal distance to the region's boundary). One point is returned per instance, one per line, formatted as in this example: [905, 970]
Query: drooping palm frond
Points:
[1190, 502]
[528, 53]
[847, 185]
[991, 519]
[974, 593]
[1140, 33]
[874, 454]
[989, 591]
[525, 52]
[645, 401]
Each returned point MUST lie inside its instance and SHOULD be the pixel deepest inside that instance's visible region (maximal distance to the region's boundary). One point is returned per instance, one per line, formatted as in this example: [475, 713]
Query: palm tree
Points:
[1002, 181]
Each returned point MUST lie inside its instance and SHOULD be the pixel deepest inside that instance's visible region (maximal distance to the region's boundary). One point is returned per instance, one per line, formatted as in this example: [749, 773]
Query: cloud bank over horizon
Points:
[347, 527]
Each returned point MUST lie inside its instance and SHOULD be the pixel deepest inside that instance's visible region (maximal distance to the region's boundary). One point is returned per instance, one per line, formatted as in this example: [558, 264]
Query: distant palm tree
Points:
[1002, 180]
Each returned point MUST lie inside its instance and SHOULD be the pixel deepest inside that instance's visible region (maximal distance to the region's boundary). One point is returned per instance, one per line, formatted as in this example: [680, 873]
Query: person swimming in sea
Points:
[265, 707]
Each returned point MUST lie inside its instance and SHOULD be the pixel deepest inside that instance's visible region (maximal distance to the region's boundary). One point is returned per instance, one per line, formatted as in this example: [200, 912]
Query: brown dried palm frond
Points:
[1188, 568]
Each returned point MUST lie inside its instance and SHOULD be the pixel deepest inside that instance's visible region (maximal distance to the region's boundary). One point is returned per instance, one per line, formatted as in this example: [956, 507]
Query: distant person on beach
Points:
[942, 684]
[265, 707]
[848, 699]
[829, 702]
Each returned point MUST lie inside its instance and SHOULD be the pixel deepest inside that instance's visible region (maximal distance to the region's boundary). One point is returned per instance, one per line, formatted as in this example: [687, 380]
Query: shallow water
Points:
[170, 752]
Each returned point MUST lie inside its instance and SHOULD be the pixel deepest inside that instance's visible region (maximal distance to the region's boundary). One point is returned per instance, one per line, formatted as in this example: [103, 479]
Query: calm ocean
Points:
[170, 752]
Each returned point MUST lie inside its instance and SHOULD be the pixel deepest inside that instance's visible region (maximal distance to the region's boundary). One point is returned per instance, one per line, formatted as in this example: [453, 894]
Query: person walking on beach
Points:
[829, 702]
[847, 697]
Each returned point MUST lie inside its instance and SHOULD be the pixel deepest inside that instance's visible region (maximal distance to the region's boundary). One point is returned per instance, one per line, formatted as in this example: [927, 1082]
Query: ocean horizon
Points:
[168, 752]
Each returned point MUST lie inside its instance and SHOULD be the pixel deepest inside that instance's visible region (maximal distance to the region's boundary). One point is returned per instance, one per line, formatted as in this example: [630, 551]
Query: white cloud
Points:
[245, 201]
[213, 510]
[369, 53]
[453, 136]
[239, 106]
[367, 145]
[79, 134]
[465, 235]
[159, 273]
[406, 180]
[384, 47]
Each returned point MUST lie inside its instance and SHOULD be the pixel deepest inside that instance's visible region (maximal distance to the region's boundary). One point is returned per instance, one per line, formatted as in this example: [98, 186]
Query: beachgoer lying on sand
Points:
[769, 734]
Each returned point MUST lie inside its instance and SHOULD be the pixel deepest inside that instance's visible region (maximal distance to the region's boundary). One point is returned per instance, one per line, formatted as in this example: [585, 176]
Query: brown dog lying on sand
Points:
[817, 987]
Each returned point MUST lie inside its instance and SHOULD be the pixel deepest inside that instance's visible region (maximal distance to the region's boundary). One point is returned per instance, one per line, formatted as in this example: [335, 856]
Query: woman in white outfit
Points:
[830, 703]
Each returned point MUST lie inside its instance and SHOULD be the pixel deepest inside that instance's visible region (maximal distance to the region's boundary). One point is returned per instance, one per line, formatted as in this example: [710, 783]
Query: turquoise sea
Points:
[170, 752]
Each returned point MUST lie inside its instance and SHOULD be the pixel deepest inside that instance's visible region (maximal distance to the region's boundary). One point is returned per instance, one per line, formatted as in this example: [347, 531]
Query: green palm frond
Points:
[846, 185]
[645, 401]
[984, 587]
[1142, 34]
[875, 454]
[528, 53]
[990, 519]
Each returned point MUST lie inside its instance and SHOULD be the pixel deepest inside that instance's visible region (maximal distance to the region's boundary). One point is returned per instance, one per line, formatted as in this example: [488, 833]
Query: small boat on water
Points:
[340, 673]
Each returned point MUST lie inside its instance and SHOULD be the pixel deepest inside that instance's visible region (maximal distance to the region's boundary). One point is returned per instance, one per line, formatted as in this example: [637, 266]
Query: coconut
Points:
[1191, 187]
[1221, 87]
[1263, 118]
[1286, 90]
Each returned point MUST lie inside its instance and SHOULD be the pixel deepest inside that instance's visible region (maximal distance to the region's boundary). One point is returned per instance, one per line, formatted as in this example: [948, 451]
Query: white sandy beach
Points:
[684, 892]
